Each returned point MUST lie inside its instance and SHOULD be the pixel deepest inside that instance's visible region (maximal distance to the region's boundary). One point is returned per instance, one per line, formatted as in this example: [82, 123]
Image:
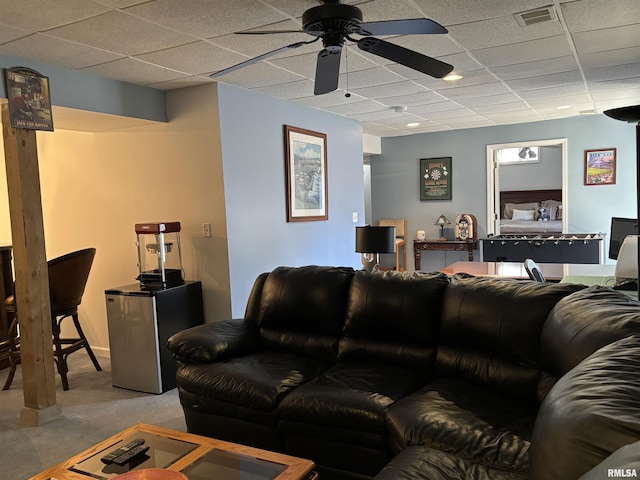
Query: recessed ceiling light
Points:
[563, 107]
[452, 77]
[413, 124]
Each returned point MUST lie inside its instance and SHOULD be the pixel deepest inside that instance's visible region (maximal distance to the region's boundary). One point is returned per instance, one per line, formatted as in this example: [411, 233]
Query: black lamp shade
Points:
[375, 239]
[625, 114]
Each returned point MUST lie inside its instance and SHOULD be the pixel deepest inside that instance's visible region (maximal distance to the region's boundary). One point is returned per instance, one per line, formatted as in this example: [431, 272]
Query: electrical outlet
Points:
[355, 217]
[206, 230]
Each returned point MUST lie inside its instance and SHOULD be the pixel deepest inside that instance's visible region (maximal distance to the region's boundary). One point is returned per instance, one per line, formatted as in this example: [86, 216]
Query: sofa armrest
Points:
[213, 342]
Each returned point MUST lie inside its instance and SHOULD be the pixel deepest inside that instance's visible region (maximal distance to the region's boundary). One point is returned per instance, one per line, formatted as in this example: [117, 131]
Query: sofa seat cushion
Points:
[424, 463]
[466, 420]
[258, 381]
[351, 396]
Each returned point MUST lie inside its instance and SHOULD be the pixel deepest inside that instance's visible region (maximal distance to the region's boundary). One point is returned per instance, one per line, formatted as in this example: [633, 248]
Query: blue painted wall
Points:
[394, 176]
[96, 94]
[253, 151]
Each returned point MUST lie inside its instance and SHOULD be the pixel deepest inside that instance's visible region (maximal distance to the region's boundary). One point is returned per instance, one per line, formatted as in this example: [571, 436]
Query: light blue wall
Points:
[259, 236]
[394, 176]
[544, 174]
[96, 94]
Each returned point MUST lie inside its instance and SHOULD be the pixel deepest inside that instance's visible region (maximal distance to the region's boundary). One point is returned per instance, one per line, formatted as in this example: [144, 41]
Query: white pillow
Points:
[523, 214]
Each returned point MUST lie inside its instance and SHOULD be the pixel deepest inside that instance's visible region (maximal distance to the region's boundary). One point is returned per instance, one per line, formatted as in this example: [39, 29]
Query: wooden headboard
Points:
[526, 196]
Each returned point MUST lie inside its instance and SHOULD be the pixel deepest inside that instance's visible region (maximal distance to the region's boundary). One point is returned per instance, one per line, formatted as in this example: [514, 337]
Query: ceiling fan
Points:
[334, 22]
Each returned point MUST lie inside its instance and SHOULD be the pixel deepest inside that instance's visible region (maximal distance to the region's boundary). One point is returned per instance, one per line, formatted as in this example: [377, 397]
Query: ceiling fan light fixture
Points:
[452, 77]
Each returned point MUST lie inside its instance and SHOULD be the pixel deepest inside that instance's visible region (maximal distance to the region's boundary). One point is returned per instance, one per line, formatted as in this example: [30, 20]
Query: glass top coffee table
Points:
[197, 457]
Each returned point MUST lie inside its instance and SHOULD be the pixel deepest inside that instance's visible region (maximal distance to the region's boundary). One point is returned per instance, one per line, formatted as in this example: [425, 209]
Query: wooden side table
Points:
[440, 245]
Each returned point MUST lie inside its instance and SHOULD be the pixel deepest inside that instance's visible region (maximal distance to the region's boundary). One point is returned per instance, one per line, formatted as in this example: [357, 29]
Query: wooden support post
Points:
[31, 275]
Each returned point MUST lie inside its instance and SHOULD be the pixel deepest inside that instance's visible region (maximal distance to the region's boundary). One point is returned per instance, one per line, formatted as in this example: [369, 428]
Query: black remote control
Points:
[110, 457]
[129, 455]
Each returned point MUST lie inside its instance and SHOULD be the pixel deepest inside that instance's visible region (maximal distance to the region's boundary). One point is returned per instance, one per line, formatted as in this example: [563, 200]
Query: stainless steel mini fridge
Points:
[140, 323]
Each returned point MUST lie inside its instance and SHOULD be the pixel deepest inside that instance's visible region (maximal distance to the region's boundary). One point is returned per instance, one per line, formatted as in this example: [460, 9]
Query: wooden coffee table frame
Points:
[297, 468]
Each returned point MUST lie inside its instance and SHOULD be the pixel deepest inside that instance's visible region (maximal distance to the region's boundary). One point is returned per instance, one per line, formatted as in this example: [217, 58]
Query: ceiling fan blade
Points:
[410, 26]
[406, 57]
[267, 32]
[257, 59]
[327, 71]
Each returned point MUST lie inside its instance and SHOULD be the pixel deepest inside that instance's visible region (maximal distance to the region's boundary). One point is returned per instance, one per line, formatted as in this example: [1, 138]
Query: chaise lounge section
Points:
[399, 375]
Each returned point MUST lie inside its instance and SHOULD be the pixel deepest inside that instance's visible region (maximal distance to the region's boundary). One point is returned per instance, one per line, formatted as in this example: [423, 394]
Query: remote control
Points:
[127, 456]
[110, 457]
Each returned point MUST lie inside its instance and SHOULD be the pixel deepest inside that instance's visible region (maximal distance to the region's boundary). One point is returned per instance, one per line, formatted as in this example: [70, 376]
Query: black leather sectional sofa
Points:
[419, 376]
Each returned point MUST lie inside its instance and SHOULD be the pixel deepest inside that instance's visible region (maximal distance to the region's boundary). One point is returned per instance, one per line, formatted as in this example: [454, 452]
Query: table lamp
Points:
[441, 222]
[372, 241]
[632, 115]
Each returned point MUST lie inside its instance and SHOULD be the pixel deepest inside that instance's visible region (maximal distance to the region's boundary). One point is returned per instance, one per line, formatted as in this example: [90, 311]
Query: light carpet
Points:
[92, 410]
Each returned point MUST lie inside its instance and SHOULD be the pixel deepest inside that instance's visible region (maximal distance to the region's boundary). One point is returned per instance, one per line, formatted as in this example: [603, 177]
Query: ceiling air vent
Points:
[539, 15]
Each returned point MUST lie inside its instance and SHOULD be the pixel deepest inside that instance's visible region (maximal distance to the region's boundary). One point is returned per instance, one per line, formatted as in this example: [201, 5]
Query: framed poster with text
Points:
[435, 178]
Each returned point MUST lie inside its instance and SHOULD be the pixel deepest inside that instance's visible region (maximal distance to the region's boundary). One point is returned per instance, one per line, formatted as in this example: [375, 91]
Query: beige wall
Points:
[96, 186]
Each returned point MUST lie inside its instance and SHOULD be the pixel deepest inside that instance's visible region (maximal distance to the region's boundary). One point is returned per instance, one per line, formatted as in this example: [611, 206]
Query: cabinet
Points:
[140, 323]
[452, 245]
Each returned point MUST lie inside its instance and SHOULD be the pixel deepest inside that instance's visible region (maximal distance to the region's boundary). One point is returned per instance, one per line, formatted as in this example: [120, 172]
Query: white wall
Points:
[95, 187]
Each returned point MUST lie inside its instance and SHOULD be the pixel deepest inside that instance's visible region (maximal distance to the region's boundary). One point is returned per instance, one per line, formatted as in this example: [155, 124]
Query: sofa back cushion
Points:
[589, 413]
[393, 317]
[302, 310]
[582, 323]
[490, 332]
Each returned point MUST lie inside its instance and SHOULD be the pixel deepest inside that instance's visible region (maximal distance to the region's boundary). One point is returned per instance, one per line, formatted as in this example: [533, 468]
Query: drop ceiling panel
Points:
[133, 71]
[45, 49]
[507, 70]
[530, 51]
[40, 15]
[119, 32]
[195, 58]
[206, 19]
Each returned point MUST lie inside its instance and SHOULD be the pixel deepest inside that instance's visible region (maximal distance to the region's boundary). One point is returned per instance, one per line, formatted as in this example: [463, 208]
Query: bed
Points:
[520, 212]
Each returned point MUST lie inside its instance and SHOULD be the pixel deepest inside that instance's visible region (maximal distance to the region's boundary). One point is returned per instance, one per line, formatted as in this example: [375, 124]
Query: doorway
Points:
[493, 179]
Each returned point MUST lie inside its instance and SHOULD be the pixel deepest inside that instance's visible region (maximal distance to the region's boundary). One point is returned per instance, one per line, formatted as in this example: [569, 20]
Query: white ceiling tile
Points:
[183, 82]
[133, 71]
[608, 39]
[613, 72]
[614, 94]
[367, 106]
[119, 3]
[501, 108]
[530, 51]
[9, 33]
[207, 19]
[257, 75]
[545, 81]
[587, 15]
[254, 45]
[493, 88]
[51, 50]
[412, 99]
[40, 15]
[552, 102]
[121, 33]
[513, 117]
[431, 108]
[290, 90]
[488, 100]
[503, 30]
[454, 12]
[378, 10]
[390, 90]
[536, 69]
[557, 92]
[368, 78]
[196, 58]
[623, 56]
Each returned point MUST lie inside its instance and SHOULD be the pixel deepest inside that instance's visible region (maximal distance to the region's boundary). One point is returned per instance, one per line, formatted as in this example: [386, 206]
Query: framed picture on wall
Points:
[29, 99]
[600, 167]
[306, 174]
[435, 178]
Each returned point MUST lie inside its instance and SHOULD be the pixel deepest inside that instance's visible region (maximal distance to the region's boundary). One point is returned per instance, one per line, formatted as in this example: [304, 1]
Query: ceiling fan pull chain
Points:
[346, 64]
